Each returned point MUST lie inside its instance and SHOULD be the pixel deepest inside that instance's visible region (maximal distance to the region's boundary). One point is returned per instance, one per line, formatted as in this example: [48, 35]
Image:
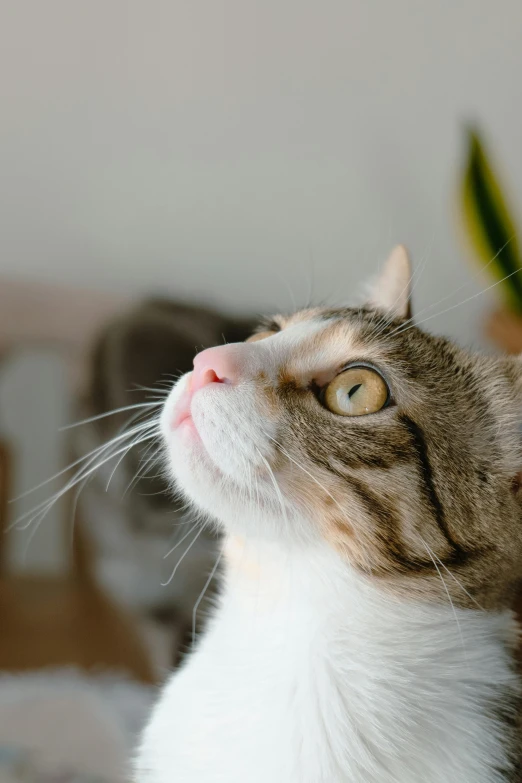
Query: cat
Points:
[366, 477]
[132, 522]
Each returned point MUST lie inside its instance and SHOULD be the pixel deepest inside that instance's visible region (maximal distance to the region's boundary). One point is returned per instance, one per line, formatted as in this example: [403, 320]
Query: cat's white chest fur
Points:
[309, 674]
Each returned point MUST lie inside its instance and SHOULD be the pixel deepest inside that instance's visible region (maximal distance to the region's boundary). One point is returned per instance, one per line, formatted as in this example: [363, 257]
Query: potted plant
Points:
[492, 236]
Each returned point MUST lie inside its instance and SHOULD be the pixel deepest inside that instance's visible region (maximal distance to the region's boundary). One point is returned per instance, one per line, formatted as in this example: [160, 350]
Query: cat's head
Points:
[355, 427]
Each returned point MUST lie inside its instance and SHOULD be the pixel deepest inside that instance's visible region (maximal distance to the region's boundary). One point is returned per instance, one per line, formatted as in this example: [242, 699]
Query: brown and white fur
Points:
[363, 632]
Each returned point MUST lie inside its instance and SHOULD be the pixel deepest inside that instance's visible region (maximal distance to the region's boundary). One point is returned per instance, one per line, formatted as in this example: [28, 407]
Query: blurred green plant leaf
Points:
[488, 223]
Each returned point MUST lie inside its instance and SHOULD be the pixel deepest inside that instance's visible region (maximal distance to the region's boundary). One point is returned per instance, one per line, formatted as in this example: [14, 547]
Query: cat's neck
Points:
[405, 674]
[265, 581]
[263, 578]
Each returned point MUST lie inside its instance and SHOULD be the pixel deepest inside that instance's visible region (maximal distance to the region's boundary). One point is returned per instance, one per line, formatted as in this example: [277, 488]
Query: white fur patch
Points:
[330, 681]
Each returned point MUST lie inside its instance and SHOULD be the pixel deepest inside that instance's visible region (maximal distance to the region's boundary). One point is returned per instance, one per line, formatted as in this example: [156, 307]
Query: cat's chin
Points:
[195, 474]
[220, 497]
[202, 459]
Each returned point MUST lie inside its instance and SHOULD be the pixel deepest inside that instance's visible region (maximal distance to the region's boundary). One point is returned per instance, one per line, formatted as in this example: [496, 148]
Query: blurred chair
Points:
[5, 469]
[62, 619]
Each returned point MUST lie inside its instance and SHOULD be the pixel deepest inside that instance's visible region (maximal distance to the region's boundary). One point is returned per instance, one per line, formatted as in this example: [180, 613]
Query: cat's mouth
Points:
[181, 415]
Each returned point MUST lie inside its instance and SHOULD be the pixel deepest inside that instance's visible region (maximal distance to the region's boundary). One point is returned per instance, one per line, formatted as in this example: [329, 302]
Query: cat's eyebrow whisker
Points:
[284, 281]
[385, 319]
[99, 416]
[379, 322]
[412, 285]
[428, 550]
[185, 553]
[412, 321]
[311, 281]
[455, 291]
[459, 304]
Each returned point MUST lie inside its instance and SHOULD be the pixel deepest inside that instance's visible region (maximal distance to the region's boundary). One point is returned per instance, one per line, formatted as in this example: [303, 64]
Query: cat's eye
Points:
[356, 392]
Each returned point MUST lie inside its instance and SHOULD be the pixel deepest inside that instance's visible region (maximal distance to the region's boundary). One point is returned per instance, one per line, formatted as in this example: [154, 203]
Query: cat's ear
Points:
[391, 290]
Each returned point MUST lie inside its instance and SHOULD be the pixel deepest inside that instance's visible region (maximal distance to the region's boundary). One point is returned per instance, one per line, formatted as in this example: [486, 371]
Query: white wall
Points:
[233, 150]
[230, 148]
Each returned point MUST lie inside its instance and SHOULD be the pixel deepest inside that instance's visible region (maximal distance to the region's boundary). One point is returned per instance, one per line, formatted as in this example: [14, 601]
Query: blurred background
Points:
[169, 170]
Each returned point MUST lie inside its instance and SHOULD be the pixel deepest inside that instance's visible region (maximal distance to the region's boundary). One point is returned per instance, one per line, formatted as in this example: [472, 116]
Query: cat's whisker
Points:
[276, 485]
[142, 433]
[45, 506]
[183, 556]
[202, 594]
[253, 478]
[99, 416]
[152, 476]
[153, 389]
[141, 472]
[120, 460]
[457, 581]
[430, 553]
[98, 450]
[74, 507]
[248, 489]
[154, 423]
[176, 376]
[178, 543]
[147, 450]
[39, 512]
[140, 416]
[319, 484]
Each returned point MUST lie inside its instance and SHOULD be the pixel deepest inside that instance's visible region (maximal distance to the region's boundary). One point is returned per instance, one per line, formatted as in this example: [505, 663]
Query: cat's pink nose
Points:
[215, 365]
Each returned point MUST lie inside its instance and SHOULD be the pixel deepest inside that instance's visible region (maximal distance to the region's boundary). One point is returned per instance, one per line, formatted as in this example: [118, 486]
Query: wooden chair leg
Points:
[5, 489]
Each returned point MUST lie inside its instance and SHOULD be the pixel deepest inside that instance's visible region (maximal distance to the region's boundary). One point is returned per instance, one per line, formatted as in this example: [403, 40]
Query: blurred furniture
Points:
[504, 328]
[60, 621]
[5, 468]
[65, 619]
